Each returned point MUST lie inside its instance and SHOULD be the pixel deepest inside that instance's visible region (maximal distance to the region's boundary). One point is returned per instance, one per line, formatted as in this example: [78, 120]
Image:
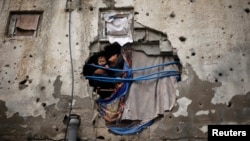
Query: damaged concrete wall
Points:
[211, 39]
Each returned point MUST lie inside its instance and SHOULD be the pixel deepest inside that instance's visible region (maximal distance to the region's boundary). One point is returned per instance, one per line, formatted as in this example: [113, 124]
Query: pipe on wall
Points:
[74, 123]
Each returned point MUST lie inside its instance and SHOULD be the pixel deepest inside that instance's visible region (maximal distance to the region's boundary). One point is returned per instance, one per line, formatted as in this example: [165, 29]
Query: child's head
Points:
[101, 60]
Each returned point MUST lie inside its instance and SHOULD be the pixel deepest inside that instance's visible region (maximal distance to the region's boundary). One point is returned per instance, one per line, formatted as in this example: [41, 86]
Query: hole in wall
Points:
[100, 138]
[229, 105]
[43, 104]
[182, 39]
[216, 80]
[247, 10]
[200, 104]
[172, 15]
[42, 88]
[178, 130]
[91, 8]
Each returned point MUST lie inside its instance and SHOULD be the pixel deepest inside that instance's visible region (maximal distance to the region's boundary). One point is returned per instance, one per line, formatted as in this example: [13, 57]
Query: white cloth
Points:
[118, 28]
[146, 99]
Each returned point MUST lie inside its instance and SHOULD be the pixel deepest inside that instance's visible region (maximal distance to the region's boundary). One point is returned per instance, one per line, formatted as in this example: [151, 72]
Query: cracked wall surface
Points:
[211, 39]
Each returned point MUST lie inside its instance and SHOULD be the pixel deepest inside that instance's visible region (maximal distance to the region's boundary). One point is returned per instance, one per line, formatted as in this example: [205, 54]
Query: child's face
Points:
[101, 61]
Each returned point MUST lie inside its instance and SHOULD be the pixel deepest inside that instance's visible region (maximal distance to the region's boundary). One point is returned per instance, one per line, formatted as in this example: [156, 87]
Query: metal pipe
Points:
[74, 123]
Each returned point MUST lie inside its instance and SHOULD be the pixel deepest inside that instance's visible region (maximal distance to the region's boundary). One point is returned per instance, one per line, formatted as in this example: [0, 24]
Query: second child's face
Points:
[102, 61]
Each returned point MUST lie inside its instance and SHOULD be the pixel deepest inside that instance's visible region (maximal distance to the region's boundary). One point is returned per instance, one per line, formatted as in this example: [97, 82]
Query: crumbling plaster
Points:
[212, 42]
[213, 46]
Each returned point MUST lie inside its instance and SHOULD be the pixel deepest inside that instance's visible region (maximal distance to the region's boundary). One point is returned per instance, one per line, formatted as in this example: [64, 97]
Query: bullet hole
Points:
[14, 47]
[100, 138]
[38, 99]
[242, 80]
[187, 57]
[178, 129]
[202, 57]
[42, 88]
[200, 104]
[229, 105]
[147, 14]
[7, 65]
[9, 81]
[77, 43]
[136, 13]
[44, 104]
[91, 8]
[243, 54]
[216, 80]
[59, 43]
[247, 10]
[192, 0]
[222, 28]
[182, 20]
[22, 84]
[67, 35]
[218, 56]
[193, 53]
[172, 15]
[231, 69]
[34, 6]
[230, 6]
[220, 74]
[182, 39]
[6, 72]
[170, 117]
[31, 55]
[57, 129]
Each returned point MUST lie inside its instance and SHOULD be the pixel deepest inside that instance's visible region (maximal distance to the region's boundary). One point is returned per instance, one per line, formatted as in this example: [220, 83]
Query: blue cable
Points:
[138, 69]
[129, 130]
[119, 79]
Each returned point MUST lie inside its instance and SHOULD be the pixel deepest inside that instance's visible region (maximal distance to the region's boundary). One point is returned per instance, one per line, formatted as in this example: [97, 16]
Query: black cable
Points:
[72, 75]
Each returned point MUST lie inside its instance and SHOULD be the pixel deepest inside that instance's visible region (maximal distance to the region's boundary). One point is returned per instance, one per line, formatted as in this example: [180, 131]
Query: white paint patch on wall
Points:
[204, 128]
[212, 111]
[183, 105]
[122, 3]
[202, 112]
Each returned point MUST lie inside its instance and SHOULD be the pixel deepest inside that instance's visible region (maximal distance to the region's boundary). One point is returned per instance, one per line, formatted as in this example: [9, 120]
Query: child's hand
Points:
[99, 71]
[106, 66]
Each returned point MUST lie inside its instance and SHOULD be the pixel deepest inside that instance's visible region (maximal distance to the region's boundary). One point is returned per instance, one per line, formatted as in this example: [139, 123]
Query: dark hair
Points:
[112, 49]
